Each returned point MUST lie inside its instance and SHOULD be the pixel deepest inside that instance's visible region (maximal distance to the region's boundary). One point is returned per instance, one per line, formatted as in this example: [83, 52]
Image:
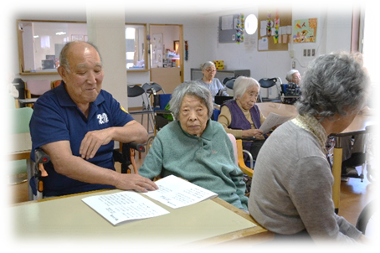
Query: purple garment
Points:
[239, 121]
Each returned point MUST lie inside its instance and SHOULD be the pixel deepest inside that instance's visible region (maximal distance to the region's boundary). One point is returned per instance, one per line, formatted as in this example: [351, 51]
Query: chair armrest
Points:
[241, 163]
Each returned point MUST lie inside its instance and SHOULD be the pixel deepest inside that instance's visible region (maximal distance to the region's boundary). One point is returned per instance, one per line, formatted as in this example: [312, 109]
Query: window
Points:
[371, 40]
[135, 41]
[40, 43]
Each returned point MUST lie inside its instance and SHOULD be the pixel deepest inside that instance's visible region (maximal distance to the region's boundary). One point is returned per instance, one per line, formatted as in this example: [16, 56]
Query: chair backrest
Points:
[7, 101]
[135, 91]
[230, 83]
[267, 82]
[38, 87]
[148, 87]
[233, 140]
[56, 83]
[20, 120]
[164, 100]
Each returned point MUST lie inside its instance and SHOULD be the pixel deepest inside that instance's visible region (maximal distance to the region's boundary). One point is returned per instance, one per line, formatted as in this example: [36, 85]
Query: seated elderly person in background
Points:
[292, 184]
[8, 78]
[241, 116]
[209, 80]
[196, 148]
[293, 76]
[77, 123]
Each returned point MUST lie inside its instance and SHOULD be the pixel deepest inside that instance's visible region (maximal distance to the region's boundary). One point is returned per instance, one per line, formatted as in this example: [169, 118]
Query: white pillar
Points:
[106, 29]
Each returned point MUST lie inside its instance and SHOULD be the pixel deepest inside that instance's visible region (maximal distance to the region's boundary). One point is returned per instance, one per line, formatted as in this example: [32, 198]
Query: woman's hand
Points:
[258, 134]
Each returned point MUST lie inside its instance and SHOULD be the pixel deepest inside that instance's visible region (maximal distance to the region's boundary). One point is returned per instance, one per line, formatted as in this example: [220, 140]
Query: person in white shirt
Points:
[209, 80]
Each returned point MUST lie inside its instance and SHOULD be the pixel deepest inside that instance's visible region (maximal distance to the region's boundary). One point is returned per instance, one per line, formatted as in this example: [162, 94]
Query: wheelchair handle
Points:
[139, 147]
[41, 156]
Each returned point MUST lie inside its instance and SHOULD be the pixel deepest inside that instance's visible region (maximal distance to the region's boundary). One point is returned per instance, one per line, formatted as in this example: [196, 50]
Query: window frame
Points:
[21, 55]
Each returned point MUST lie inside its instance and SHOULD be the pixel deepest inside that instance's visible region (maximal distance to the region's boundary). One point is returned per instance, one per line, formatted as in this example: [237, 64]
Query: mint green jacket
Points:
[207, 161]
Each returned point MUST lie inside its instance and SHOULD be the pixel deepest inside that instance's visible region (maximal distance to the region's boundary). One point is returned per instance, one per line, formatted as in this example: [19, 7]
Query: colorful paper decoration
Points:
[269, 25]
[305, 30]
[240, 29]
[276, 26]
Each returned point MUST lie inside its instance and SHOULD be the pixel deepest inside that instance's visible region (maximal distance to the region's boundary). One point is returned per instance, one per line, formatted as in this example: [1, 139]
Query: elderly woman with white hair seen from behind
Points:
[241, 116]
[292, 184]
[196, 148]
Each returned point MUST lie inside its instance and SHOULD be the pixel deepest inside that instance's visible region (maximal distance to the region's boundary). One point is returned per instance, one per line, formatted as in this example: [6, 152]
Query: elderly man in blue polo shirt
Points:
[77, 123]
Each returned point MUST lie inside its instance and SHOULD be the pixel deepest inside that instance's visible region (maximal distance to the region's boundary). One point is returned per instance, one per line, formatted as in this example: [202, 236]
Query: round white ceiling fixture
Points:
[250, 24]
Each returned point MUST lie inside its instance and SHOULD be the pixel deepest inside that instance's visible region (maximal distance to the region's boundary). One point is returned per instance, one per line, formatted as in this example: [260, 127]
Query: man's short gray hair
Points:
[190, 88]
[242, 83]
[334, 84]
[63, 56]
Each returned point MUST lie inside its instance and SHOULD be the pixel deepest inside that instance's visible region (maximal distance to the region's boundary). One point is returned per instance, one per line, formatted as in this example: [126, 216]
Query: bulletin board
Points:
[228, 32]
[274, 29]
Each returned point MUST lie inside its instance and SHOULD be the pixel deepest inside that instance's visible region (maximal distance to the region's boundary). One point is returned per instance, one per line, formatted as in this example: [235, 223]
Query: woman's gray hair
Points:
[334, 84]
[63, 56]
[289, 75]
[242, 83]
[207, 64]
[190, 88]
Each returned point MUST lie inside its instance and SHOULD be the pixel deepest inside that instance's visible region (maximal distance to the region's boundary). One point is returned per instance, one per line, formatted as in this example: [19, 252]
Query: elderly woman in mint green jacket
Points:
[196, 148]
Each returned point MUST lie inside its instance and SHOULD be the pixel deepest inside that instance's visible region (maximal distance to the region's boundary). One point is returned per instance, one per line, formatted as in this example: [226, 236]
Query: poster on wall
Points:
[157, 49]
[305, 30]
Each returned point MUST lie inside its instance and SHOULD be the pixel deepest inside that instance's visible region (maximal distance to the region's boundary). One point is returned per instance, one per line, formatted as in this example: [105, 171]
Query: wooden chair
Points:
[55, 84]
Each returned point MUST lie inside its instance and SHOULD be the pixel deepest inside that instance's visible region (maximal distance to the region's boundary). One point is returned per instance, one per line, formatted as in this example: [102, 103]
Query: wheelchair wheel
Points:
[373, 176]
[368, 218]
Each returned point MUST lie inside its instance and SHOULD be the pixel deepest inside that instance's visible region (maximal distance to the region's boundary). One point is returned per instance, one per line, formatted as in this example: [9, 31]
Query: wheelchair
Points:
[362, 158]
[125, 155]
[357, 159]
[162, 115]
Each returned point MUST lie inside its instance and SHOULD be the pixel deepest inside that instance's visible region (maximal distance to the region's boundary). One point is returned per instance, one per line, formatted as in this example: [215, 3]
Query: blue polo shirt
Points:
[56, 118]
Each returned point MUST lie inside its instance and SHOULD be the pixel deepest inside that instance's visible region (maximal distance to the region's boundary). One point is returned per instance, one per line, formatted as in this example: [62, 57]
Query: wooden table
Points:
[207, 223]
[278, 108]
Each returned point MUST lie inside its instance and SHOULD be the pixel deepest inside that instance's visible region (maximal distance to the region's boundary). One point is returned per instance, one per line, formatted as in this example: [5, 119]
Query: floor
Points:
[354, 193]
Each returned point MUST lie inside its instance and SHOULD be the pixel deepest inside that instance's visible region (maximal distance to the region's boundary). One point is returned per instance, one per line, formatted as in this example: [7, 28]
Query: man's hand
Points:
[92, 142]
[134, 182]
